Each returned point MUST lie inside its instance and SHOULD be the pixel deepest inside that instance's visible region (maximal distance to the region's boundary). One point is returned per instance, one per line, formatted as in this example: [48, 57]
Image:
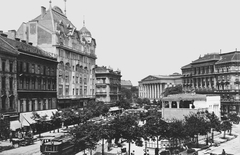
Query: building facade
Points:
[180, 105]
[75, 51]
[8, 76]
[108, 85]
[36, 76]
[216, 73]
[153, 86]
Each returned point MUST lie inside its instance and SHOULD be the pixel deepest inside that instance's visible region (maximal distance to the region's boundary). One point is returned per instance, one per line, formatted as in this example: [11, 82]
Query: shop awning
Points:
[15, 125]
[26, 118]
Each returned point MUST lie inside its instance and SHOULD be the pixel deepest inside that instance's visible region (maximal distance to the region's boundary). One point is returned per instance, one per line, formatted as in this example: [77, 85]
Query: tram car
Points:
[58, 146]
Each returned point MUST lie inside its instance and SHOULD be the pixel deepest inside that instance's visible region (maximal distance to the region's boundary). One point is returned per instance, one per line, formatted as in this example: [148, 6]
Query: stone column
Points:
[156, 95]
[178, 104]
[170, 104]
[148, 91]
[160, 89]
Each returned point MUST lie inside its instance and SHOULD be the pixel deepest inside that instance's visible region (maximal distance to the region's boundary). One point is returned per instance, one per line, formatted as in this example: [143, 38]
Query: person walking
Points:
[223, 152]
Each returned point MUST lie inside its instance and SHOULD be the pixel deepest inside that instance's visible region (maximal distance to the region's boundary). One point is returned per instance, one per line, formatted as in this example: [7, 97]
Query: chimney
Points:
[43, 11]
[12, 34]
[4, 35]
[18, 39]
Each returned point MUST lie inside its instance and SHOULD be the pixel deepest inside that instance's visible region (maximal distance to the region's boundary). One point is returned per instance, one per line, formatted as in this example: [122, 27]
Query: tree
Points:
[155, 128]
[56, 120]
[215, 123]
[233, 117]
[176, 130]
[126, 127]
[173, 90]
[41, 121]
[85, 135]
[123, 103]
[105, 132]
[226, 125]
[196, 124]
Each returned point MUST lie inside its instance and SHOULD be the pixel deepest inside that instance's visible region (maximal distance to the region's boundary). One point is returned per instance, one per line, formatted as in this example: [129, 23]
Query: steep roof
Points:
[187, 66]
[25, 47]
[126, 83]
[55, 15]
[229, 57]
[6, 47]
[207, 57]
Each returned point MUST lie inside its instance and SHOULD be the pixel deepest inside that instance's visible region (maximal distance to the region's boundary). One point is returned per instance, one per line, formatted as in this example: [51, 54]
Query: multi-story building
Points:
[216, 73]
[153, 86]
[36, 76]
[108, 85]
[52, 31]
[8, 76]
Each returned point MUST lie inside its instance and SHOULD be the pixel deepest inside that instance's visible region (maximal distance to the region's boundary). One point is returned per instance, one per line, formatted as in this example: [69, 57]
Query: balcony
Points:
[101, 93]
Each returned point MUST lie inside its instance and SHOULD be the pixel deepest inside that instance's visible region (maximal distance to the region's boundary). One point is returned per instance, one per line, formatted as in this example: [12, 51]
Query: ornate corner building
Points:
[108, 85]
[215, 74]
[75, 52]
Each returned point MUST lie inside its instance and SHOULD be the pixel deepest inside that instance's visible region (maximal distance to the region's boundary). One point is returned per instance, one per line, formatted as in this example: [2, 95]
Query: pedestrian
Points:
[133, 153]
[223, 152]
[10, 136]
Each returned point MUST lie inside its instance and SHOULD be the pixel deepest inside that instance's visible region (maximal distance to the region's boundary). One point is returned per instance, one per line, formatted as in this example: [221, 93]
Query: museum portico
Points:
[153, 86]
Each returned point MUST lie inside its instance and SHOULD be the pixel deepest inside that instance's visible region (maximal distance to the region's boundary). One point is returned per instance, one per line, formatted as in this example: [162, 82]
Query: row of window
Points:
[5, 81]
[75, 79]
[25, 67]
[4, 102]
[75, 56]
[77, 68]
[76, 91]
[31, 105]
[36, 83]
[7, 66]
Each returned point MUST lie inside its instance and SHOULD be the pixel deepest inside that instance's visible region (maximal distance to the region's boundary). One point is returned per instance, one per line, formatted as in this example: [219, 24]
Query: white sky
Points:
[143, 37]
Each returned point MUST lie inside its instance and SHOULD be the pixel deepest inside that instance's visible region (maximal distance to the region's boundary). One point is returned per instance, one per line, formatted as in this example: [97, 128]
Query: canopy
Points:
[114, 109]
[15, 125]
[185, 97]
[26, 118]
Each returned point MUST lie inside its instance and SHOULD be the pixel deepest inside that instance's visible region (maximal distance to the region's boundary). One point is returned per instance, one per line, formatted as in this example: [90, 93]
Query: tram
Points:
[58, 146]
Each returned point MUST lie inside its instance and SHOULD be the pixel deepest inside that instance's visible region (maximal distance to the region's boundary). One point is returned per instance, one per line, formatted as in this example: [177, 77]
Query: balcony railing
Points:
[101, 93]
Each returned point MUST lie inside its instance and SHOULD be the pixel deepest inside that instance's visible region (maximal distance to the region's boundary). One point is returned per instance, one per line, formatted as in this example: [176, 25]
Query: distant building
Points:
[215, 73]
[108, 85]
[126, 84]
[52, 31]
[153, 86]
[180, 105]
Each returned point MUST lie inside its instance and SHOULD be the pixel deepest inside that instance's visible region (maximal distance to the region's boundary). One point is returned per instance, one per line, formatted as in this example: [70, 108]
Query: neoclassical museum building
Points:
[153, 86]
[216, 73]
